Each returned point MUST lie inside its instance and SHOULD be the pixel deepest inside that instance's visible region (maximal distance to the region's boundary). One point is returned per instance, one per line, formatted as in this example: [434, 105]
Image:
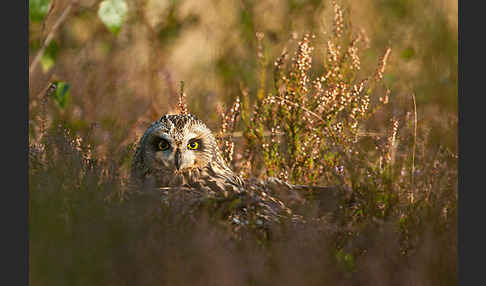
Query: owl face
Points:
[177, 144]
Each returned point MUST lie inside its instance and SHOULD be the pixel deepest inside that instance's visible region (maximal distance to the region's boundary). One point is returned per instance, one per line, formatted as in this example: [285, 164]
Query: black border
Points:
[15, 199]
[471, 191]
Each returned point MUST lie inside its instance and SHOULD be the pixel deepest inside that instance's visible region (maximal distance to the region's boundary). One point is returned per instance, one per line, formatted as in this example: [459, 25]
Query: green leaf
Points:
[61, 96]
[46, 62]
[408, 53]
[112, 13]
[346, 259]
[389, 79]
[49, 57]
[38, 10]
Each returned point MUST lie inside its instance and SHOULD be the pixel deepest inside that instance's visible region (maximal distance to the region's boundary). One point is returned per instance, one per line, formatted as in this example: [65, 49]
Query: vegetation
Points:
[311, 93]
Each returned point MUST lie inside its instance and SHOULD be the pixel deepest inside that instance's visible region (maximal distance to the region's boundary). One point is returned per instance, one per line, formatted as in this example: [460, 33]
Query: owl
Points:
[178, 154]
[177, 150]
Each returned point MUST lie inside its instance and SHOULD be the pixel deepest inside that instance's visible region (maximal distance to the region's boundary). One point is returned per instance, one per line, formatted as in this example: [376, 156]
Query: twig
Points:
[51, 8]
[309, 112]
[49, 38]
[182, 100]
[238, 134]
[303, 108]
[414, 134]
[48, 91]
[371, 134]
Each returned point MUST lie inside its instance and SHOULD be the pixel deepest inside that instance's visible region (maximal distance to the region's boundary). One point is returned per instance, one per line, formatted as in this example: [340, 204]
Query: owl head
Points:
[174, 146]
[178, 143]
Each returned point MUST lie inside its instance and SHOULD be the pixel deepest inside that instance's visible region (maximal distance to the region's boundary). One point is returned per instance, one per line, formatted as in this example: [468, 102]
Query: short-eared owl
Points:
[179, 152]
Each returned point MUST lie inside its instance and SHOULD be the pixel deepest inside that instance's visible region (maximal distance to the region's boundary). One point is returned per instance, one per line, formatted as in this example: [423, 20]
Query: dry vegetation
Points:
[311, 101]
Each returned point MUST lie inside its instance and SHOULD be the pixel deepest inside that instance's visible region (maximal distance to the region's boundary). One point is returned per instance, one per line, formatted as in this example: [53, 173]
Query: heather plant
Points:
[311, 129]
[303, 123]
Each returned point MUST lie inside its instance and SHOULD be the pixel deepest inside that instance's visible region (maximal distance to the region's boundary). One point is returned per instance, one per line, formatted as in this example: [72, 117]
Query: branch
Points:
[301, 107]
[49, 38]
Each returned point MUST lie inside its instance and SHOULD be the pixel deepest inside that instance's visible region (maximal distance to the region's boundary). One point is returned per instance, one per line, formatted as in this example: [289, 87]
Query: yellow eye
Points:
[163, 145]
[193, 145]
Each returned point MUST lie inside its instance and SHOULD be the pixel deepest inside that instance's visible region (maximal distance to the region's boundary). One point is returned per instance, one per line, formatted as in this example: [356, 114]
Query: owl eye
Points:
[193, 145]
[163, 145]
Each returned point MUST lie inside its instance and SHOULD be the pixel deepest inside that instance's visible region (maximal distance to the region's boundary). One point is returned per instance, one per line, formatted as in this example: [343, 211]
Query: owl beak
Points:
[178, 159]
